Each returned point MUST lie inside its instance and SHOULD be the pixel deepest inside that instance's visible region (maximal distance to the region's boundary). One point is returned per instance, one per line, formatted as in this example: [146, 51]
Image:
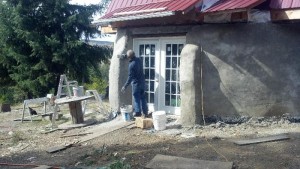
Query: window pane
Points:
[180, 47]
[152, 86]
[174, 75]
[147, 49]
[152, 74]
[178, 88]
[167, 100]
[146, 62]
[146, 86]
[168, 75]
[152, 63]
[151, 97]
[173, 88]
[168, 62]
[152, 49]
[168, 49]
[147, 76]
[142, 49]
[167, 87]
[174, 49]
[174, 62]
[173, 100]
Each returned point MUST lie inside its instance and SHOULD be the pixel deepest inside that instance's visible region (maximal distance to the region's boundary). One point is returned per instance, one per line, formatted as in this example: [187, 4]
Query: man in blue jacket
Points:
[137, 80]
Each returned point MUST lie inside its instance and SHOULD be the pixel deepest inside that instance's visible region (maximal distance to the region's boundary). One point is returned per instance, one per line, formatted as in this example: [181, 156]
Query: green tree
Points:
[41, 39]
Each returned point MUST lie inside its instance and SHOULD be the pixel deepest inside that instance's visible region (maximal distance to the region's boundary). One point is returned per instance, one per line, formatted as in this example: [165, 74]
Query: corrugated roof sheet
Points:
[284, 4]
[225, 5]
[121, 6]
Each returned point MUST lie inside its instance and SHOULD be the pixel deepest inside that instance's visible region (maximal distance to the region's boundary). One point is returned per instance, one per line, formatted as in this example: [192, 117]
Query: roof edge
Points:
[105, 22]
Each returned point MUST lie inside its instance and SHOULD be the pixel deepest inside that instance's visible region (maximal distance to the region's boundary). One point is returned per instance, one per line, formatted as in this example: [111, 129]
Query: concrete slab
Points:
[172, 162]
[262, 139]
[105, 128]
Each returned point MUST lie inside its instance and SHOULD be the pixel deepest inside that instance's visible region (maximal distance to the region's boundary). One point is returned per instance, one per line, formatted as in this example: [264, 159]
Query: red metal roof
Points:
[284, 4]
[121, 6]
[225, 5]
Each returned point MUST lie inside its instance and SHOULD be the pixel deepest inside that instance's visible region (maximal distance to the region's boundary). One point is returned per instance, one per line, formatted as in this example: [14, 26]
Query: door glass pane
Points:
[142, 50]
[167, 100]
[152, 62]
[146, 65]
[168, 62]
[174, 49]
[172, 85]
[147, 53]
[168, 75]
[168, 49]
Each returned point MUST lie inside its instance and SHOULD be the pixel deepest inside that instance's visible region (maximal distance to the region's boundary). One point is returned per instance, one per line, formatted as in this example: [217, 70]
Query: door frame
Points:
[160, 59]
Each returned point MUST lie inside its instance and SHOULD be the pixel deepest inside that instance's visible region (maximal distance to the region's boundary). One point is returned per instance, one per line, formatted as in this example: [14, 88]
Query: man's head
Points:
[130, 54]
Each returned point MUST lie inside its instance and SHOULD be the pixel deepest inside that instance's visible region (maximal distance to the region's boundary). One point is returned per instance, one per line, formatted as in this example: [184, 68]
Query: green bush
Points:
[97, 84]
[11, 95]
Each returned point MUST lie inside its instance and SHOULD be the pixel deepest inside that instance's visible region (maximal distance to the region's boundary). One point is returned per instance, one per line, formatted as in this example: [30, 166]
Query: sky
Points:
[85, 2]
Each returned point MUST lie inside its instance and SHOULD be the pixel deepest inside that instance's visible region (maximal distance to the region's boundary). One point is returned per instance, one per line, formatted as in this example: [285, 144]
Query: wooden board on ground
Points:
[262, 139]
[42, 167]
[73, 135]
[58, 148]
[105, 128]
[172, 162]
[68, 125]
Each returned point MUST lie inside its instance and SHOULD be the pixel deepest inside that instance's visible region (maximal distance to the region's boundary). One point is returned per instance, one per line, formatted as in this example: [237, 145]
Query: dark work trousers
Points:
[139, 98]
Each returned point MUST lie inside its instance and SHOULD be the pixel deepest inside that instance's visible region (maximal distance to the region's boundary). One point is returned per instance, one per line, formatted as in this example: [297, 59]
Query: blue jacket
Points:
[135, 72]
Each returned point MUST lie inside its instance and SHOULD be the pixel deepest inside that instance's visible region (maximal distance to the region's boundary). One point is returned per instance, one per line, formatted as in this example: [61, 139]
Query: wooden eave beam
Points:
[283, 15]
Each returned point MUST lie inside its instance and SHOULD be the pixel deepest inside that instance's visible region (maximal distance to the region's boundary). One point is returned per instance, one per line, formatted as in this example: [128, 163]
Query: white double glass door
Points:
[161, 62]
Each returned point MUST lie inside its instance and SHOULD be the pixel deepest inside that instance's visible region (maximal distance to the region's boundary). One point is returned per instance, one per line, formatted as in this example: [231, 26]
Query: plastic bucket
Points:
[159, 120]
[126, 112]
[75, 91]
[80, 91]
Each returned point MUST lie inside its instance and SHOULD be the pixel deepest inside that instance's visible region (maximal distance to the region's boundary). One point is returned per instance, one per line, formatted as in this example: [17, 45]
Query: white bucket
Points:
[159, 120]
[80, 91]
[126, 112]
[75, 91]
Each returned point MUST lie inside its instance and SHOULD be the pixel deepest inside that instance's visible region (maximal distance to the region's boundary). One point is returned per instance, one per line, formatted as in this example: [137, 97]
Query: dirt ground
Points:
[26, 143]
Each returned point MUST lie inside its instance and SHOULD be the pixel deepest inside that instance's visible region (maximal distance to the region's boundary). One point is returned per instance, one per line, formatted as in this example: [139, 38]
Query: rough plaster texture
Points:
[190, 74]
[118, 72]
[248, 69]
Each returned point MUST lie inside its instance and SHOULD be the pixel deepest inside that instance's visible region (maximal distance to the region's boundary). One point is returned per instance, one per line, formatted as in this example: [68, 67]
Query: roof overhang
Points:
[105, 22]
[227, 6]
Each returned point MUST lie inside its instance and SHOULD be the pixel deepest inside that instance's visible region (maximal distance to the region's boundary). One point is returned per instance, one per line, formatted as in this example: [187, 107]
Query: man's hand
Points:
[123, 89]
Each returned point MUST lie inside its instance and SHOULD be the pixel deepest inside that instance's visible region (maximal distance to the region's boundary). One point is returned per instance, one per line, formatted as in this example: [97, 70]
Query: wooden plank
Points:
[42, 167]
[172, 162]
[279, 15]
[105, 128]
[78, 134]
[262, 139]
[68, 126]
[58, 148]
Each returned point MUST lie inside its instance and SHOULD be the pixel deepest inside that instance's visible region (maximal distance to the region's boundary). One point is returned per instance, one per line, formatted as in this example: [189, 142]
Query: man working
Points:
[137, 80]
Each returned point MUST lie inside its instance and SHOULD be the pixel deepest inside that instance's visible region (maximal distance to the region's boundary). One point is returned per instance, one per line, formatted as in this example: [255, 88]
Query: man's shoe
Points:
[148, 115]
[137, 114]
